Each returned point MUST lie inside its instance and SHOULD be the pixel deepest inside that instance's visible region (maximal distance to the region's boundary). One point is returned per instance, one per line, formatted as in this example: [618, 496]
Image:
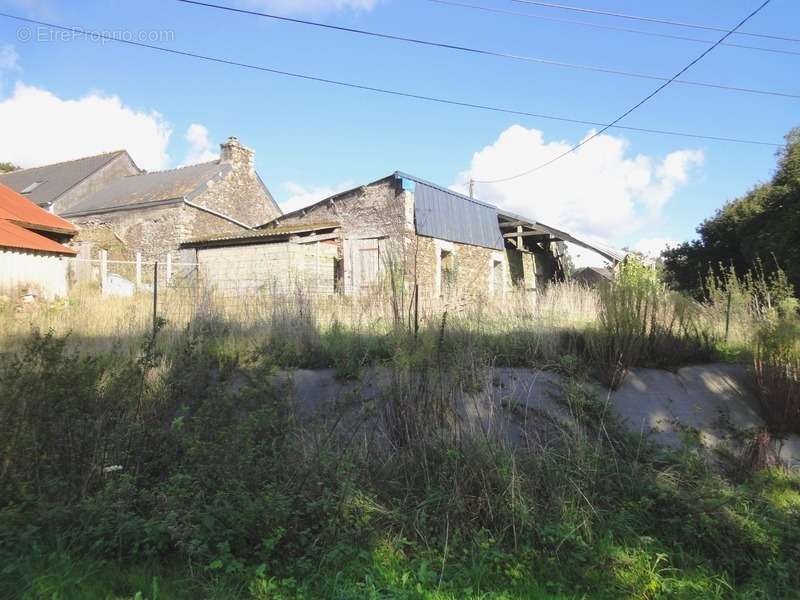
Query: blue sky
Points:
[311, 138]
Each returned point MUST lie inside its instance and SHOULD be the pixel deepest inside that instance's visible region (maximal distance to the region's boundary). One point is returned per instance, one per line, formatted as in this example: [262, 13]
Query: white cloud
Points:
[9, 59]
[600, 190]
[40, 128]
[311, 6]
[301, 196]
[653, 247]
[200, 147]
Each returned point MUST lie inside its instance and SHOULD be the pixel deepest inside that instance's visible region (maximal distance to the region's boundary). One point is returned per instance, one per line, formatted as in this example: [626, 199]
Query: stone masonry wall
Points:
[155, 232]
[158, 231]
[373, 210]
[240, 194]
[385, 210]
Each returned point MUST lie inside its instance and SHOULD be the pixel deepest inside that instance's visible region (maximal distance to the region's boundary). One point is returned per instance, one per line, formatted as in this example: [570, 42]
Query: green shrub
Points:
[776, 358]
[641, 323]
[222, 485]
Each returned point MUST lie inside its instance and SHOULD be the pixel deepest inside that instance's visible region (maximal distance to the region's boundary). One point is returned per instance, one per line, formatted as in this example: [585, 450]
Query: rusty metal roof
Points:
[19, 238]
[16, 208]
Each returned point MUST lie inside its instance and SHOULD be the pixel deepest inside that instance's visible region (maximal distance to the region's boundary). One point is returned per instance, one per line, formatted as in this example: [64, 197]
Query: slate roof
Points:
[57, 178]
[149, 188]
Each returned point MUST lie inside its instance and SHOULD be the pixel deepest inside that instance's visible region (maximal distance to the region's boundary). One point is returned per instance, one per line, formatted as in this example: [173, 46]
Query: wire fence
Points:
[141, 292]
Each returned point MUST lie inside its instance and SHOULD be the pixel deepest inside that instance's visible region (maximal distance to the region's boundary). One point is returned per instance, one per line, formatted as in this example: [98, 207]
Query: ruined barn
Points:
[399, 233]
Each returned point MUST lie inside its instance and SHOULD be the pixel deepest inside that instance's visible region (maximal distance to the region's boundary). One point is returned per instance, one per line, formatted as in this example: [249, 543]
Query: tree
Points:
[7, 167]
[759, 230]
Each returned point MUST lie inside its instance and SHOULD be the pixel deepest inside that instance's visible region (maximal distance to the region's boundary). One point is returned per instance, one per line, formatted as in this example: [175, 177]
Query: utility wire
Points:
[631, 109]
[593, 11]
[516, 13]
[224, 61]
[518, 57]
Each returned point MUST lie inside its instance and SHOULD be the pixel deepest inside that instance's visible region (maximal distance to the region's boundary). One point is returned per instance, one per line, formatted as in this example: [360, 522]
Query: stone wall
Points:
[158, 231]
[119, 167]
[155, 231]
[385, 211]
[240, 195]
[374, 210]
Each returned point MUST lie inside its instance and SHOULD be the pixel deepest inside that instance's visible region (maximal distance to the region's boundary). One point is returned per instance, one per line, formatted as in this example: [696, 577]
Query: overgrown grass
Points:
[641, 323]
[777, 367]
[189, 474]
[175, 465]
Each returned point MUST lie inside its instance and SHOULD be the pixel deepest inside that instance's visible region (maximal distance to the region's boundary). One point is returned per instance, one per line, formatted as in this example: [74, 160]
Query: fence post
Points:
[155, 298]
[169, 269]
[138, 270]
[416, 310]
[728, 316]
[103, 271]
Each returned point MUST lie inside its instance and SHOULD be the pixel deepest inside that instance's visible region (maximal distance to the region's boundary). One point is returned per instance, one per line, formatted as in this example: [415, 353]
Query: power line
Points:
[472, 50]
[516, 13]
[386, 91]
[593, 11]
[631, 109]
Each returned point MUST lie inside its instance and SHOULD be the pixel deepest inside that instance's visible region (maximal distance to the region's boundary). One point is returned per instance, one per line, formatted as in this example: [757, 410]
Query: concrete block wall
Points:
[45, 272]
[280, 267]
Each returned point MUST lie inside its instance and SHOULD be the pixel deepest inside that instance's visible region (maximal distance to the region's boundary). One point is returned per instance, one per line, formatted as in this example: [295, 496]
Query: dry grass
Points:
[99, 321]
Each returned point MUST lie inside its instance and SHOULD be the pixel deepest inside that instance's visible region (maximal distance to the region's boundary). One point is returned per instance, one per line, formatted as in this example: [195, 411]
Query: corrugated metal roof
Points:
[57, 178]
[15, 207]
[19, 238]
[448, 215]
[151, 187]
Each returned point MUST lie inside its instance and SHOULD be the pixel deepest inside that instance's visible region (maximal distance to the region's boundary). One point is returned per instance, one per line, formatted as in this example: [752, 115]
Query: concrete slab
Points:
[713, 401]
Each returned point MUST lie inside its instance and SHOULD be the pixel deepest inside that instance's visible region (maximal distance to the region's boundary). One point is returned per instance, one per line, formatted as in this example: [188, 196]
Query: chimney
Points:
[237, 155]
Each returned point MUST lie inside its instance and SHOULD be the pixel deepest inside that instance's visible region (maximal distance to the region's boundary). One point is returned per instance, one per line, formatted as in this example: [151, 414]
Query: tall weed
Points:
[641, 323]
[776, 360]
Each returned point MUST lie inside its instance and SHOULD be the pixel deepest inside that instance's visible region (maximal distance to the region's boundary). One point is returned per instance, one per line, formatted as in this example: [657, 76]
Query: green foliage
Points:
[763, 224]
[643, 324]
[218, 491]
[7, 167]
[776, 359]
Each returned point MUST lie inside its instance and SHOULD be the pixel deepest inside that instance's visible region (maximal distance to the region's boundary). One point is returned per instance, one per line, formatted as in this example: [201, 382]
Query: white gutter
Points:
[216, 214]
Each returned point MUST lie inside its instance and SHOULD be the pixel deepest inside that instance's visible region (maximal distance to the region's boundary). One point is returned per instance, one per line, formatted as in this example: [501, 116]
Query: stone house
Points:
[32, 253]
[124, 210]
[397, 233]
